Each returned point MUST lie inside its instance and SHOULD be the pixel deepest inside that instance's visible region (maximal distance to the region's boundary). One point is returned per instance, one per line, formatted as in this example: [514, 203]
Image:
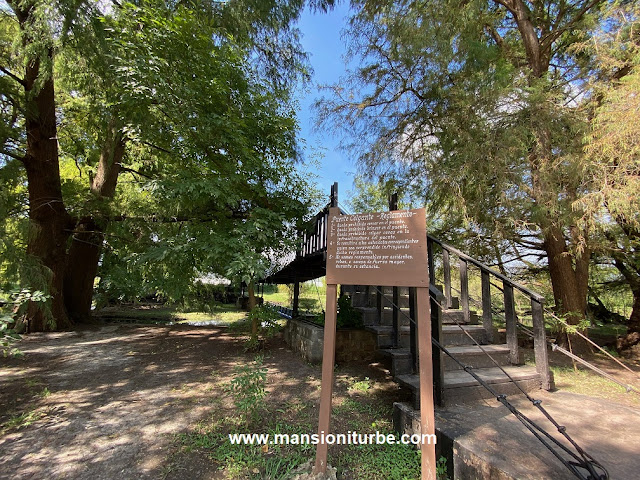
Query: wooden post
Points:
[430, 262]
[296, 298]
[395, 318]
[427, 420]
[540, 345]
[512, 328]
[437, 357]
[487, 316]
[413, 339]
[328, 356]
[464, 289]
[446, 266]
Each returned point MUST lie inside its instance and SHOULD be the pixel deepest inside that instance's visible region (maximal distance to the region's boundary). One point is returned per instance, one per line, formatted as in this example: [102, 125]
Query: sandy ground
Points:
[107, 402]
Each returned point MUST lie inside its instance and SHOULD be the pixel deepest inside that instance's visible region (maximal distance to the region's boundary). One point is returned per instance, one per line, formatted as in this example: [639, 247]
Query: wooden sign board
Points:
[384, 248]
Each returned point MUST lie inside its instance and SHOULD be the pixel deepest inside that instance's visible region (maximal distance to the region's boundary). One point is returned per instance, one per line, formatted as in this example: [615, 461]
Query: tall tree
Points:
[612, 207]
[479, 101]
[185, 97]
[50, 223]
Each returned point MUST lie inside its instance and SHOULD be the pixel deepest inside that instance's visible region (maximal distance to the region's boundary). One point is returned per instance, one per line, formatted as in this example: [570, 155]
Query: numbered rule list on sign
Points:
[384, 248]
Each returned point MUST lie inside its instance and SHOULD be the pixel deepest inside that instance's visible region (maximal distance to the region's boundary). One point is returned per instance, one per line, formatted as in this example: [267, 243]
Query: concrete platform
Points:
[485, 441]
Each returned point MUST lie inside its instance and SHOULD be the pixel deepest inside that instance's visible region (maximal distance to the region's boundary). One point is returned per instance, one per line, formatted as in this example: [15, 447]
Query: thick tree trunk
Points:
[570, 285]
[50, 223]
[633, 326]
[87, 240]
[569, 273]
[82, 267]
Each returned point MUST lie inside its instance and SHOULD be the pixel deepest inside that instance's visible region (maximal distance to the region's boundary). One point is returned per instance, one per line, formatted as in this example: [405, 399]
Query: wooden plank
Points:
[446, 266]
[395, 317]
[540, 346]
[487, 315]
[430, 261]
[464, 289]
[328, 358]
[413, 339]
[512, 327]
[482, 266]
[427, 420]
[437, 357]
[383, 248]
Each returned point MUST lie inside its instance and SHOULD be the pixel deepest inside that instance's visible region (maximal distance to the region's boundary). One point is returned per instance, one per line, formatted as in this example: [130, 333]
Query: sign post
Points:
[386, 249]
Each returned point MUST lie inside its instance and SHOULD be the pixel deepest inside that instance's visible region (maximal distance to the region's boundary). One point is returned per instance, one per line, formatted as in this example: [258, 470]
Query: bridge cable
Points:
[582, 462]
[556, 347]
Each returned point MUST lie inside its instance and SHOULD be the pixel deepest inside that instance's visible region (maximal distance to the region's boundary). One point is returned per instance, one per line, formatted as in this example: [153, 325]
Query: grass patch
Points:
[380, 462]
[295, 417]
[22, 420]
[225, 315]
[221, 314]
[609, 329]
[588, 383]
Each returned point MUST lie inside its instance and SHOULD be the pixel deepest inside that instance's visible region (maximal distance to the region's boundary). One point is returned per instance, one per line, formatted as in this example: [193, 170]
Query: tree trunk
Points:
[88, 237]
[569, 275]
[633, 325]
[49, 221]
[251, 304]
[569, 284]
[82, 267]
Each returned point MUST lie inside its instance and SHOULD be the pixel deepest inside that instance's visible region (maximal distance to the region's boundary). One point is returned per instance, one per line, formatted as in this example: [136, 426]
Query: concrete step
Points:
[384, 335]
[369, 315]
[362, 299]
[454, 335]
[452, 316]
[397, 360]
[401, 290]
[474, 356]
[403, 316]
[461, 387]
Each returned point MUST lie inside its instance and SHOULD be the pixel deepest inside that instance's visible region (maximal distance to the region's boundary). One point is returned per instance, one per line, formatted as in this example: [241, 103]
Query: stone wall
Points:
[307, 339]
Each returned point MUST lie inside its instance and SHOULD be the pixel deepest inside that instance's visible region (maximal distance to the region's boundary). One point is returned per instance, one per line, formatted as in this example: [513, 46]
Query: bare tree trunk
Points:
[88, 235]
[49, 221]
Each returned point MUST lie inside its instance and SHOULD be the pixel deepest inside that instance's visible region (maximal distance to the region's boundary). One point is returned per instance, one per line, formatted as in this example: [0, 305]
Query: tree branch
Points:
[547, 40]
[13, 76]
[11, 154]
[162, 149]
[136, 172]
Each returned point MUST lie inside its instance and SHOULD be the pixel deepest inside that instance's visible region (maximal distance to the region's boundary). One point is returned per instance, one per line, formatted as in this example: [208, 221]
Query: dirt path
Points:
[110, 402]
[107, 402]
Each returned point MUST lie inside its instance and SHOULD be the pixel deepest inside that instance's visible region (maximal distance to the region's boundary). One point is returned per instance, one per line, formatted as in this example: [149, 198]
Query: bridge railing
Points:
[443, 254]
[313, 241]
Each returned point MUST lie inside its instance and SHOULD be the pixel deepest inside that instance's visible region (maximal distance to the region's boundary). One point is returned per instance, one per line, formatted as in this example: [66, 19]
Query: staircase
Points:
[457, 330]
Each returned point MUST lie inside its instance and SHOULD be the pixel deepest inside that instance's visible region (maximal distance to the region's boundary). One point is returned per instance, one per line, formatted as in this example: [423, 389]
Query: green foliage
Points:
[348, 316]
[12, 306]
[441, 469]
[509, 148]
[267, 318]
[248, 388]
[199, 96]
[393, 462]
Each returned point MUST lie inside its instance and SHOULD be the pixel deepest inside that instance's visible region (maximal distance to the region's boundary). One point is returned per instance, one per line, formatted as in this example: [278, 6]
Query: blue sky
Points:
[322, 39]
